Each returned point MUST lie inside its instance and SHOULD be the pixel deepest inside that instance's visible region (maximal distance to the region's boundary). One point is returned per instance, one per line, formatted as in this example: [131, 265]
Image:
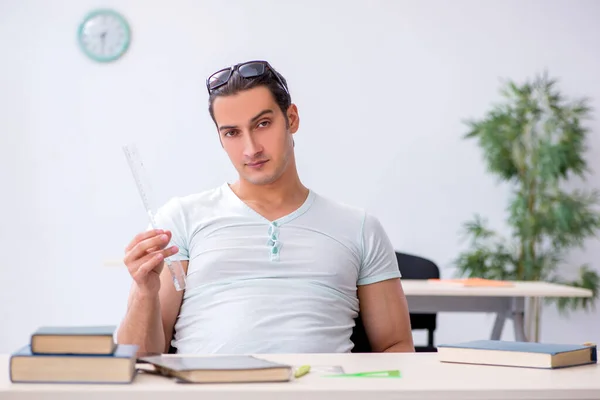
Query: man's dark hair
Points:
[238, 83]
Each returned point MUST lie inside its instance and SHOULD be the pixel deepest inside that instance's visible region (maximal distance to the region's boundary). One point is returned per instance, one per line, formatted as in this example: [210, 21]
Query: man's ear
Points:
[293, 118]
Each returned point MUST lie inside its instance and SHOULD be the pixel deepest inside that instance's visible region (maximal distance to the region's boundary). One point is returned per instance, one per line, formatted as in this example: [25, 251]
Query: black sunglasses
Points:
[248, 69]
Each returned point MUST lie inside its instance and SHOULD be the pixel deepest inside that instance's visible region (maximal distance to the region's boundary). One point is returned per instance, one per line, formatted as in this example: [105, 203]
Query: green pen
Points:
[301, 371]
[371, 374]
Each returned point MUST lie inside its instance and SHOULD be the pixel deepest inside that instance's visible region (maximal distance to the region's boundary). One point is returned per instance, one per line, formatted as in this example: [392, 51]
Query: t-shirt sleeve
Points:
[171, 217]
[379, 260]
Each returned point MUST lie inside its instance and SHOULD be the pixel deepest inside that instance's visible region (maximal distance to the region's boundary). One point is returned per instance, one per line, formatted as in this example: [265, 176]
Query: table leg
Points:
[498, 325]
[518, 322]
[533, 319]
[538, 319]
[518, 317]
[528, 313]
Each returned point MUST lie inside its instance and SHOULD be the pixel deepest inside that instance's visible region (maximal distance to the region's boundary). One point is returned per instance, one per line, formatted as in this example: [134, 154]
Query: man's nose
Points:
[251, 146]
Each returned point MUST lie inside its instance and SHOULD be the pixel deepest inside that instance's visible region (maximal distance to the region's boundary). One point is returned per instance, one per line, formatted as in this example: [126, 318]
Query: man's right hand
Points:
[144, 258]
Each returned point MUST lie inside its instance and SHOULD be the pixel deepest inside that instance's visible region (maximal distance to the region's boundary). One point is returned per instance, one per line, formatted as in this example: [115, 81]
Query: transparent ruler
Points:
[137, 169]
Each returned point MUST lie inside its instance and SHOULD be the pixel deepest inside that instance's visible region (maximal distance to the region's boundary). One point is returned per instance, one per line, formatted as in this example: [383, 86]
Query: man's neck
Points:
[274, 194]
[287, 190]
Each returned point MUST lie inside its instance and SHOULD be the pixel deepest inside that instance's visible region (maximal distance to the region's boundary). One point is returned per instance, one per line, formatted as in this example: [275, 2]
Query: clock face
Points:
[104, 35]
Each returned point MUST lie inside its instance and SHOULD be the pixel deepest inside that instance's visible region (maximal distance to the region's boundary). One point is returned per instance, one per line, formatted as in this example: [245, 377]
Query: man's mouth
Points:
[256, 163]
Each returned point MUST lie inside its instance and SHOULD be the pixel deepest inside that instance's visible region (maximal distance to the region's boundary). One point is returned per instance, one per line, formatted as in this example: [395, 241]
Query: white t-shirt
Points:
[286, 286]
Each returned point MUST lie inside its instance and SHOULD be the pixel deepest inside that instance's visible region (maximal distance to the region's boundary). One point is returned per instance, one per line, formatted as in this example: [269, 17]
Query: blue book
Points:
[118, 367]
[73, 340]
[518, 354]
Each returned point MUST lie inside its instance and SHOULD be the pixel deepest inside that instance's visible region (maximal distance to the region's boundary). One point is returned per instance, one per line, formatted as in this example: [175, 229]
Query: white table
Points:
[423, 377]
[424, 296]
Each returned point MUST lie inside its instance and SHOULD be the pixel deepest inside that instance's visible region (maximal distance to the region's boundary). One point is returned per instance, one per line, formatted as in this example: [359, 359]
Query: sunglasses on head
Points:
[248, 69]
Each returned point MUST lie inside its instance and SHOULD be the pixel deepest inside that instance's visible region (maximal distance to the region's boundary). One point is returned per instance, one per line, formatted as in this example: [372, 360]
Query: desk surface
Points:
[423, 377]
[416, 287]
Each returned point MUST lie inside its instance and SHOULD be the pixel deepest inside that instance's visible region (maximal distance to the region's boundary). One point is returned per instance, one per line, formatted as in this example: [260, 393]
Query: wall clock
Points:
[104, 35]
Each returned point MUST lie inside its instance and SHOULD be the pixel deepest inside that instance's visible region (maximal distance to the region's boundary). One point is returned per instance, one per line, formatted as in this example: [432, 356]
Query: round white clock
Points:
[104, 35]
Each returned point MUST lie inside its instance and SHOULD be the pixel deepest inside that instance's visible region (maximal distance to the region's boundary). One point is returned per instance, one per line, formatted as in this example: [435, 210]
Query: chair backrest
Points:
[411, 267]
[415, 267]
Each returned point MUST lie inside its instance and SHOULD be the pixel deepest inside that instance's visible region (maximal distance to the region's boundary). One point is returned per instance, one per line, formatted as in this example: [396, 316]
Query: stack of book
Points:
[73, 354]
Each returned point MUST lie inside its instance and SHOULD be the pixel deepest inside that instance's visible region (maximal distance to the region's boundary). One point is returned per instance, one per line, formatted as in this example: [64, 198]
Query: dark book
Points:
[118, 367]
[220, 369]
[73, 340]
[518, 354]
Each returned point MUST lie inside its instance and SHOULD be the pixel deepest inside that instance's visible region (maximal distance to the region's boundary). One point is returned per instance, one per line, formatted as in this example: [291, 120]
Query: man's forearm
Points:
[405, 346]
[142, 324]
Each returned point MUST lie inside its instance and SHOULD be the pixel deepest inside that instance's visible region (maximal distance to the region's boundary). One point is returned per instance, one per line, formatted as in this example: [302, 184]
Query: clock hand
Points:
[103, 37]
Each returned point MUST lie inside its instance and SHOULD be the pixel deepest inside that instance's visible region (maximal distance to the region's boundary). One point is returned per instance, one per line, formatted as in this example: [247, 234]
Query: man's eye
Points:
[230, 133]
[263, 124]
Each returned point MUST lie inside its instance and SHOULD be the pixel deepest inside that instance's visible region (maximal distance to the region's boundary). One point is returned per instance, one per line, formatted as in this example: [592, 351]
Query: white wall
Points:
[382, 88]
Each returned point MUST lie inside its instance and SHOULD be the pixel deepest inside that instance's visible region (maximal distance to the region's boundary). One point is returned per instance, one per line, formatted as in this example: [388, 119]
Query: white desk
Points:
[423, 377]
[507, 302]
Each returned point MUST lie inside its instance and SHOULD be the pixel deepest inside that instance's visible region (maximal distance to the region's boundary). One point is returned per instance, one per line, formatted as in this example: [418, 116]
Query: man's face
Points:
[254, 134]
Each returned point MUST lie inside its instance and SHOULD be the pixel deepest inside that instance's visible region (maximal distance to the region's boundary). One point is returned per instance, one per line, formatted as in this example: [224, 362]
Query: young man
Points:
[272, 267]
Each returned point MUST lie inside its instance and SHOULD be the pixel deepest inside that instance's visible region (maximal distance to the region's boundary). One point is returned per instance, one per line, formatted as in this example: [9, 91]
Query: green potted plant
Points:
[534, 141]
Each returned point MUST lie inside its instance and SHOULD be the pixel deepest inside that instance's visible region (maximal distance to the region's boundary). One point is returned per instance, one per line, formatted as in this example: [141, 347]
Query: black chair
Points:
[411, 267]
[414, 267]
